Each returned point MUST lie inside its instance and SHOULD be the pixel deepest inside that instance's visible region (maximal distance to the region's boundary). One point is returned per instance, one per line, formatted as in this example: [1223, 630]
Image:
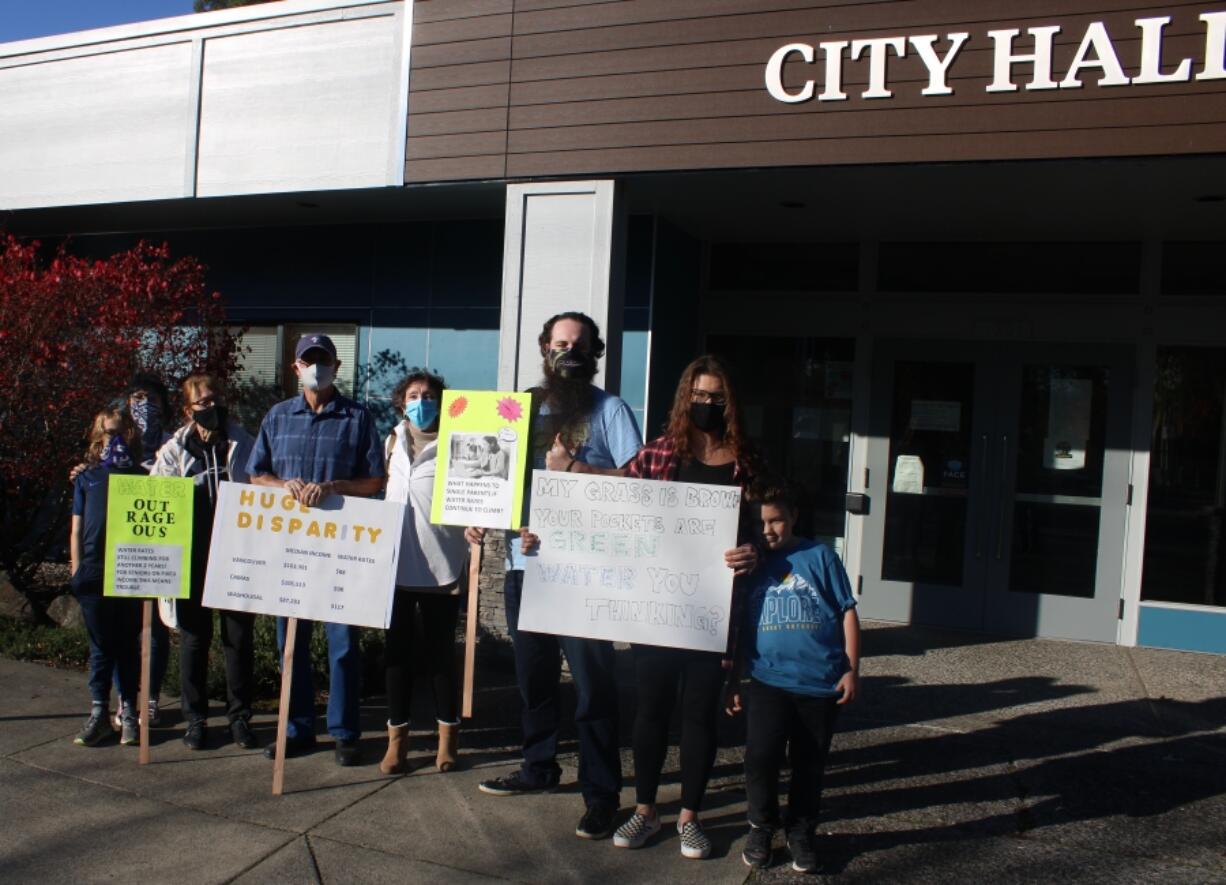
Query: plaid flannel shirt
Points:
[659, 460]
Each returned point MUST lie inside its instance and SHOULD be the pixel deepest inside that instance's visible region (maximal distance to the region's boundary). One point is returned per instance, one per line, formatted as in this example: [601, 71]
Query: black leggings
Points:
[658, 672]
[436, 613]
[238, 651]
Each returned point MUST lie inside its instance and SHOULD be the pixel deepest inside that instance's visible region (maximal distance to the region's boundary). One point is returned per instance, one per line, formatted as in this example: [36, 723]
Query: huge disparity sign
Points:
[635, 560]
[334, 562]
[1095, 57]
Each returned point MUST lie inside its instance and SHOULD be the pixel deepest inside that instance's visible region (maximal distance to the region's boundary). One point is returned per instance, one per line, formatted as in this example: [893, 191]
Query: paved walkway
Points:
[967, 759]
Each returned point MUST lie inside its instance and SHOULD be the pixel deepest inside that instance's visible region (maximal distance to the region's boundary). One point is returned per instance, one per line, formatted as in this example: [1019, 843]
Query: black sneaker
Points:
[597, 821]
[297, 745]
[513, 785]
[757, 851]
[347, 753]
[240, 730]
[804, 852]
[194, 738]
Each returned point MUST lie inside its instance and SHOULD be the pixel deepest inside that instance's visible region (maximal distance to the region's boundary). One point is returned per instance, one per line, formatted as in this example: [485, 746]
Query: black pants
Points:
[659, 672]
[436, 615]
[238, 648]
[805, 725]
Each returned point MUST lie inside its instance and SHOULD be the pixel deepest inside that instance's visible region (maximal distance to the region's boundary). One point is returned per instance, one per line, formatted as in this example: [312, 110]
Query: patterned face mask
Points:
[115, 454]
[141, 410]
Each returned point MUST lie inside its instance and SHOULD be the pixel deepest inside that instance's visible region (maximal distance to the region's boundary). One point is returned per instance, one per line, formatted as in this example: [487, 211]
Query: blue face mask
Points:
[421, 412]
[115, 455]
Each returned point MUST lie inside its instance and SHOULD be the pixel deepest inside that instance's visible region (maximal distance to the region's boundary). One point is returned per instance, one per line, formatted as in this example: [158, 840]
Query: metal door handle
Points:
[983, 484]
[1000, 514]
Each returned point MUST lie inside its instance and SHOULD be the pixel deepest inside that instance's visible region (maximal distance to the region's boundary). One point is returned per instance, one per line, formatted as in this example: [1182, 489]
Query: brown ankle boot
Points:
[395, 761]
[448, 746]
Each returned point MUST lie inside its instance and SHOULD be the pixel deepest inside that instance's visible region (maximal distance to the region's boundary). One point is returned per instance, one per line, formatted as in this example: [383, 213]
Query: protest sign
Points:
[148, 536]
[483, 447]
[635, 560]
[274, 556]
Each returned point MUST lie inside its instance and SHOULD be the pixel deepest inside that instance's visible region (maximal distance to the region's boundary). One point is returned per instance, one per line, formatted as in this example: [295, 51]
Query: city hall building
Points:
[968, 258]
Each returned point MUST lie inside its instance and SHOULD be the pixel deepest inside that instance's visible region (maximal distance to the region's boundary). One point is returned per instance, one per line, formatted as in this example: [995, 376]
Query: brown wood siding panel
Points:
[460, 122]
[448, 10]
[483, 73]
[612, 87]
[949, 148]
[455, 169]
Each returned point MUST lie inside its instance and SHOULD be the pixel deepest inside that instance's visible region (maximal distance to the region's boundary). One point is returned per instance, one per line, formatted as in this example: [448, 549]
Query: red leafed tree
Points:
[72, 333]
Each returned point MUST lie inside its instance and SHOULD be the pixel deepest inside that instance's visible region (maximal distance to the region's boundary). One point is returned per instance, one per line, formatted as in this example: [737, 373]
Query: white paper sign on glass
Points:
[333, 562]
[635, 560]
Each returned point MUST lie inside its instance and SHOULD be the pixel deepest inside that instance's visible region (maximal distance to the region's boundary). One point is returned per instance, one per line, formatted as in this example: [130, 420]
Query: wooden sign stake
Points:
[470, 632]
[142, 701]
[287, 679]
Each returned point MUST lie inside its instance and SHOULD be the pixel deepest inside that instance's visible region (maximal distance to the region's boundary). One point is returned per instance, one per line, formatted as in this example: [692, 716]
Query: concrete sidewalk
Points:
[967, 758]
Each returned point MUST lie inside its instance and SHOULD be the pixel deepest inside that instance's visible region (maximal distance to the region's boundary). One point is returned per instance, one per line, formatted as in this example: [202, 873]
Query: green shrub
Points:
[59, 646]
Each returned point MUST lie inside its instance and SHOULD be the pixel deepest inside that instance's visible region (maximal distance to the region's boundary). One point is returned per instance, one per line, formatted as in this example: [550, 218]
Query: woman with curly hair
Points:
[427, 579]
[704, 442]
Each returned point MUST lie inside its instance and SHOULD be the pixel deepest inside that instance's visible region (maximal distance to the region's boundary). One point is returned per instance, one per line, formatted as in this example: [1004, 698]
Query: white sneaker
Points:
[694, 842]
[635, 832]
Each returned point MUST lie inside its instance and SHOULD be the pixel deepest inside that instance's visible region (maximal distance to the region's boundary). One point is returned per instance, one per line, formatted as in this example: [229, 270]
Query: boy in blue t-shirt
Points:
[801, 651]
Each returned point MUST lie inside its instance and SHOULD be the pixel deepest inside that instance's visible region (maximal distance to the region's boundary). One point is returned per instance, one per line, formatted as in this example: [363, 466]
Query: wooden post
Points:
[287, 678]
[142, 701]
[470, 632]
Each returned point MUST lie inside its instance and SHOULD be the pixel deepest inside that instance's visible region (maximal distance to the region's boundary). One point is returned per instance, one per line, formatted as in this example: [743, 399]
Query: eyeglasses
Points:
[715, 398]
[207, 403]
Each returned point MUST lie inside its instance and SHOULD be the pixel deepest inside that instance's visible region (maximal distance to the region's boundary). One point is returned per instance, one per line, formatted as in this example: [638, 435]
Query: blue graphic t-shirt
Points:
[613, 438]
[795, 620]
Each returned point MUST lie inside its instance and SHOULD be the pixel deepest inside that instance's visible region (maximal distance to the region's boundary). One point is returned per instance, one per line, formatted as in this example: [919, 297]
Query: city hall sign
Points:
[1095, 58]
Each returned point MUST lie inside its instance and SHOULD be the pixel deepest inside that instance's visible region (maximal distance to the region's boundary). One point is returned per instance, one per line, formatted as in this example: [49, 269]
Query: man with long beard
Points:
[579, 429]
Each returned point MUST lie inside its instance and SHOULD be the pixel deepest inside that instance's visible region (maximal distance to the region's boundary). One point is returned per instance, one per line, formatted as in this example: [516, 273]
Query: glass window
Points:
[796, 393]
[1185, 527]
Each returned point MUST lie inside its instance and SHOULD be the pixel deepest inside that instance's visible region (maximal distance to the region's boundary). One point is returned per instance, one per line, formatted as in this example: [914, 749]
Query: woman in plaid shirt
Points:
[704, 442]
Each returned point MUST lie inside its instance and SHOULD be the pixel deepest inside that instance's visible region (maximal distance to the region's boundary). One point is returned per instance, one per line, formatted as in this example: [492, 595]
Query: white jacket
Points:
[173, 458]
[430, 555]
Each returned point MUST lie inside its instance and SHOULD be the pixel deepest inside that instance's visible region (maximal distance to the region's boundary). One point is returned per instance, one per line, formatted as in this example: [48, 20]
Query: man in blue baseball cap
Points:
[317, 444]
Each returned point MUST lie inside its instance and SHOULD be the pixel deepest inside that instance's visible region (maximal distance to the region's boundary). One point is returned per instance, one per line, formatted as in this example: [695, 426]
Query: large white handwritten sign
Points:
[332, 562]
[635, 560]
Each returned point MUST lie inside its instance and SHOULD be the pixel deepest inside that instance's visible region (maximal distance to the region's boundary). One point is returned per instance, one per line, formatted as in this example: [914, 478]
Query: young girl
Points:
[802, 656]
[113, 624]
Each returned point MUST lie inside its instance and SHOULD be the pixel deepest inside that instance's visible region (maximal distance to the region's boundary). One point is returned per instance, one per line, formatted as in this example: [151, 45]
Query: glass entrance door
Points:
[998, 479]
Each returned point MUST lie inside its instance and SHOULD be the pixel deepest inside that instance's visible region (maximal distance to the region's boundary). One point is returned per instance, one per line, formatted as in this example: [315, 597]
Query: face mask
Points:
[141, 410]
[707, 417]
[211, 419]
[115, 454]
[316, 377]
[421, 412]
[570, 364]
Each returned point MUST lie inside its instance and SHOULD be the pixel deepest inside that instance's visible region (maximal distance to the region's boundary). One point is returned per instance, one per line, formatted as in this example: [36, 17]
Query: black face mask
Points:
[572, 364]
[708, 417]
[211, 419]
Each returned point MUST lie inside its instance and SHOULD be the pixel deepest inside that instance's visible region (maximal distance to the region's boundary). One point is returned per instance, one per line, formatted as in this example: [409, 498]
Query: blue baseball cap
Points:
[313, 341]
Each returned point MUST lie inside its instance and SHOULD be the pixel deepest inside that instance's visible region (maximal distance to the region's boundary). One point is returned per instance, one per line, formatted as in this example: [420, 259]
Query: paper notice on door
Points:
[943, 416]
[908, 475]
[1068, 423]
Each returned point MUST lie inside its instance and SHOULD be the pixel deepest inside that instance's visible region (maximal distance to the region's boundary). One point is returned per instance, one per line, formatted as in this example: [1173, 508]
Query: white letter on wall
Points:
[938, 68]
[774, 73]
[1005, 58]
[878, 50]
[1097, 39]
[1215, 46]
[1151, 54]
[833, 90]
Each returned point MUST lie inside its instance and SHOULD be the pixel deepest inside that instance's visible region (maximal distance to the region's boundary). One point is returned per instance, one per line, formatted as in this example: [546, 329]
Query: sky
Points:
[23, 19]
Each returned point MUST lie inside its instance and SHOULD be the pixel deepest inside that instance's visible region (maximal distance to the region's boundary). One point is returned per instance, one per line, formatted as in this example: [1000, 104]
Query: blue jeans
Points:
[344, 688]
[538, 670]
[159, 654]
[113, 626]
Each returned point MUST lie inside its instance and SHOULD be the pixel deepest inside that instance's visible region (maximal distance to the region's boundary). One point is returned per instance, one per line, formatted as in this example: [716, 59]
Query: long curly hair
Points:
[97, 434]
[679, 424]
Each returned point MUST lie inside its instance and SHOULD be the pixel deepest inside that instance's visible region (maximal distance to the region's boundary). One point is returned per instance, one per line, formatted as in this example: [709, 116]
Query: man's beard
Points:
[570, 408]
